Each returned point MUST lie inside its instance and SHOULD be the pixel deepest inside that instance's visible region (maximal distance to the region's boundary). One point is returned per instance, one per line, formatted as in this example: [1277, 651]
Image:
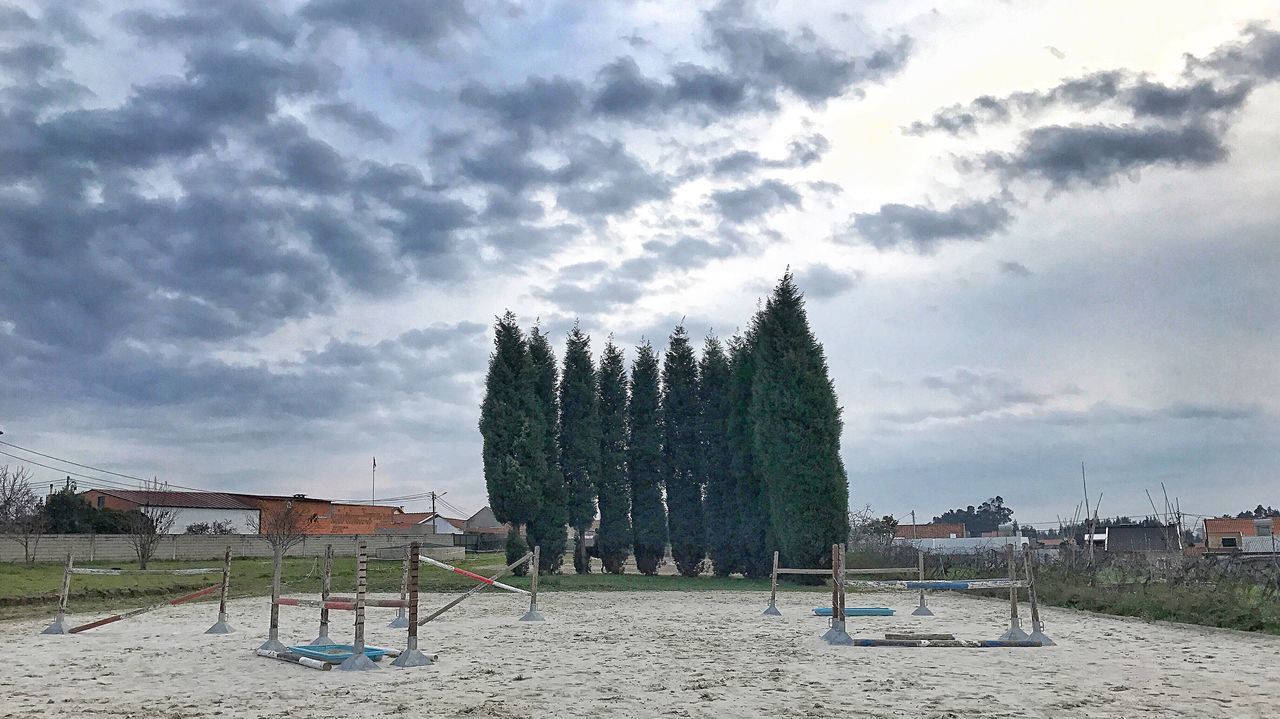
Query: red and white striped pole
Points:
[472, 575]
[171, 603]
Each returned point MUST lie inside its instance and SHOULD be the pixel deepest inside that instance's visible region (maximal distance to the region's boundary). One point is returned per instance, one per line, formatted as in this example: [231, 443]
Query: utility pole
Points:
[373, 483]
[433, 500]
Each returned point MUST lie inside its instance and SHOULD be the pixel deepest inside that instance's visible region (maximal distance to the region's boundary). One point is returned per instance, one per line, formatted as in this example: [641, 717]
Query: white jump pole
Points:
[473, 575]
[221, 626]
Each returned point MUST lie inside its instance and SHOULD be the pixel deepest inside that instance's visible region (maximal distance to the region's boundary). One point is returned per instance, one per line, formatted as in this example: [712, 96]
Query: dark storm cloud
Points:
[544, 104]
[15, 18]
[693, 91]
[212, 22]
[422, 24]
[435, 362]
[800, 64]
[753, 202]
[1017, 269]
[924, 228]
[824, 282]
[1096, 154]
[801, 152]
[1142, 98]
[30, 59]
[1256, 57]
[362, 122]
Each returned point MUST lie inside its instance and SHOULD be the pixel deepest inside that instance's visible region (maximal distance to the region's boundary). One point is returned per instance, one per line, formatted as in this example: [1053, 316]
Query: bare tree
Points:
[282, 528]
[149, 522]
[22, 517]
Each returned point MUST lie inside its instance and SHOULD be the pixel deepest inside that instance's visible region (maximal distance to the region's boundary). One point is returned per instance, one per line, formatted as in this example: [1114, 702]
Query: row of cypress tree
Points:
[726, 457]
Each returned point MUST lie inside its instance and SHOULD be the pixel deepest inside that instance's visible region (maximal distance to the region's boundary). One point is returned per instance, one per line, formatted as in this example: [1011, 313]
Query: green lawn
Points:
[33, 591]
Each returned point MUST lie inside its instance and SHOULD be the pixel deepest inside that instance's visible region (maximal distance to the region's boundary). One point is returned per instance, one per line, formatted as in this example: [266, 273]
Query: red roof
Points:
[187, 500]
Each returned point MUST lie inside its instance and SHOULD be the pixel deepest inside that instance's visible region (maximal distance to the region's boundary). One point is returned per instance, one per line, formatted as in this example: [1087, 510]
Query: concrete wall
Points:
[116, 547]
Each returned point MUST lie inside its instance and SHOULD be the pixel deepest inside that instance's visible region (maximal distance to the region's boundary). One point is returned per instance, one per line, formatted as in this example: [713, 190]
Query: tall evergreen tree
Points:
[579, 440]
[547, 526]
[797, 433]
[613, 540]
[644, 462]
[509, 427]
[681, 468]
[716, 458]
[753, 530]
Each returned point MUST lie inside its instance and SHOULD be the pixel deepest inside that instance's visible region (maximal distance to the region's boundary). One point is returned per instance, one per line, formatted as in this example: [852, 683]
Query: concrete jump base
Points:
[922, 611]
[59, 626]
[1039, 636]
[533, 615]
[837, 636]
[400, 622]
[358, 662]
[411, 658]
[1015, 634]
[274, 645]
[772, 611]
[220, 626]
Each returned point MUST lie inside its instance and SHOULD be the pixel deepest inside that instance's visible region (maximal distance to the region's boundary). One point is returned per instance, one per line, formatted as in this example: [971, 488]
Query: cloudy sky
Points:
[249, 245]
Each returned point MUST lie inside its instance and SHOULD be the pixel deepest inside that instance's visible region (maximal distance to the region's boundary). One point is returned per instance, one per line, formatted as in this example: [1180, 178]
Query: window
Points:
[102, 501]
[1229, 542]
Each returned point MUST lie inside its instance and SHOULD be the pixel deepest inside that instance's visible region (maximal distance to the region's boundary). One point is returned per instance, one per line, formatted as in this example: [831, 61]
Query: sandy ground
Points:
[652, 654]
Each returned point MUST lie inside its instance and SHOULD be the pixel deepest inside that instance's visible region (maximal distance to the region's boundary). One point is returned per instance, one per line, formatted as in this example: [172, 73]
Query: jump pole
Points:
[837, 635]
[359, 661]
[478, 588]
[473, 575]
[133, 613]
[1037, 627]
[533, 615]
[294, 659]
[59, 625]
[923, 609]
[221, 626]
[772, 609]
[1015, 633]
[273, 643]
[326, 588]
[401, 621]
[412, 656]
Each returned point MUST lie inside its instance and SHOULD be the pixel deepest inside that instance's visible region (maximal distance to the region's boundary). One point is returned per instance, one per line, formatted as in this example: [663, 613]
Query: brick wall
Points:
[116, 547]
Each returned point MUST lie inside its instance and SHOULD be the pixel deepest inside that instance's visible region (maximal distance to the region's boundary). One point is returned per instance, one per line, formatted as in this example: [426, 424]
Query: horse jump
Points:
[59, 625]
[411, 656]
[772, 609]
[1013, 637]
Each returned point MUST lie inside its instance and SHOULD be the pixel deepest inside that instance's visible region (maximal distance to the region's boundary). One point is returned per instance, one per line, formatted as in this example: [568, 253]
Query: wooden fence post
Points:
[533, 615]
[59, 625]
[412, 656]
[359, 661]
[1015, 633]
[221, 626]
[772, 609]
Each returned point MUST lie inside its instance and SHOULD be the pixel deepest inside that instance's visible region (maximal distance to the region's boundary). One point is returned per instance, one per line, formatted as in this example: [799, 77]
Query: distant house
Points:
[484, 522]
[187, 507]
[941, 530]
[1224, 535]
[1133, 538]
[421, 523]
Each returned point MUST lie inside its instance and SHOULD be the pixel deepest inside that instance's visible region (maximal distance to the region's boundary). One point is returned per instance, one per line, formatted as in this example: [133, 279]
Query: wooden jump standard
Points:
[772, 609]
[411, 656]
[59, 625]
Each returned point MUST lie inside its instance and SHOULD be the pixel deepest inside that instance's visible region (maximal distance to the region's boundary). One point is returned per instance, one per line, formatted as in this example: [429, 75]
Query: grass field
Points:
[33, 591]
